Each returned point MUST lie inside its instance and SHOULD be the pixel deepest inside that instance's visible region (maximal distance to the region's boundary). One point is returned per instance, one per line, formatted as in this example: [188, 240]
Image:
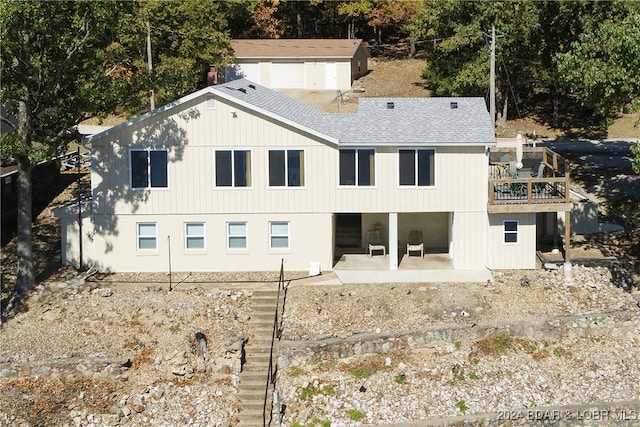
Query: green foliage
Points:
[603, 63]
[401, 378]
[474, 376]
[462, 406]
[561, 352]
[635, 151]
[295, 371]
[361, 373]
[310, 390]
[495, 344]
[355, 415]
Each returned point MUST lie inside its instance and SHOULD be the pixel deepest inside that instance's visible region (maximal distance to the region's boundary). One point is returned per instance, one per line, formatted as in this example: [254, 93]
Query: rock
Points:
[117, 411]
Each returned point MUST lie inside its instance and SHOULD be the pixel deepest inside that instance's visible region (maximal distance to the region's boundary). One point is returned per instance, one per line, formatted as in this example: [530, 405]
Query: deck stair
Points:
[255, 371]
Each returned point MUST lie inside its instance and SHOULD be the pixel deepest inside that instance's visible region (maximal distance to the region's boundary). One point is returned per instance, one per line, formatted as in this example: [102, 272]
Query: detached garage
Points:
[311, 64]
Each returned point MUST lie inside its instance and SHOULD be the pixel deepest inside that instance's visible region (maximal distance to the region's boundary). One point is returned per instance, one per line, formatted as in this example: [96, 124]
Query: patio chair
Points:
[540, 172]
[375, 243]
[415, 243]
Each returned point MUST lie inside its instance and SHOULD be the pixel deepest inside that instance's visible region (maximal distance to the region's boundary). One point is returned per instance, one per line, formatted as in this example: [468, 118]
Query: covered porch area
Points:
[432, 268]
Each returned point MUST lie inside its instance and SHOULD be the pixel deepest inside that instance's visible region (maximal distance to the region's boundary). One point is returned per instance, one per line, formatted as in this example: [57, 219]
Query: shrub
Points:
[495, 345]
[461, 404]
[355, 415]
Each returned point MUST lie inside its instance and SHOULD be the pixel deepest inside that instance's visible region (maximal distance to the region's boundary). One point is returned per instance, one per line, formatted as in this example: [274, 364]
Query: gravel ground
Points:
[487, 376]
[154, 329]
[337, 311]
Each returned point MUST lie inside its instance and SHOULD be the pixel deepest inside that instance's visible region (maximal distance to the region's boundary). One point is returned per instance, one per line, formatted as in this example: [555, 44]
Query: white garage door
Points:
[247, 70]
[287, 75]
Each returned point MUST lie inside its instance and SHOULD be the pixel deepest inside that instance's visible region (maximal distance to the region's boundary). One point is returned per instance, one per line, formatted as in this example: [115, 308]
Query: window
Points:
[194, 235]
[237, 235]
[233, 168]
[416, 167]
[286, 168]
[279, 235]
[147, 238]
[357, 167]
[510, 231]
[149, 168]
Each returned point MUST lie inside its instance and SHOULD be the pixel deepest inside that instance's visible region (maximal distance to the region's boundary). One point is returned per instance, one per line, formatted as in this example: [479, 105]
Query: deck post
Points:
[393, 241]
[567, 236]
[555, 233]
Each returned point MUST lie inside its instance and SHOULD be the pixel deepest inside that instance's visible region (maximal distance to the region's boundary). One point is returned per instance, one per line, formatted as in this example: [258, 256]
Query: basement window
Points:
[510, 231]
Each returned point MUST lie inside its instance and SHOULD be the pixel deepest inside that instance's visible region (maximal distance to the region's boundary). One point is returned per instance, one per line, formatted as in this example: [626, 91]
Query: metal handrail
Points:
[275, 333]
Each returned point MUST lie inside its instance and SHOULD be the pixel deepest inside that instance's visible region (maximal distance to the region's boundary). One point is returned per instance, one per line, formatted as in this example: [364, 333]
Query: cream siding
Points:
[306, 74]
[195, 134]
[520, 255]
[451, 213]
[310, 240]
[467, 247]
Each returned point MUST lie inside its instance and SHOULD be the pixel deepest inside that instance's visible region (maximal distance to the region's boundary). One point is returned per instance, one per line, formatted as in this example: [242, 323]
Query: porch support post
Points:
[393, 241]
[555, 233]
[567, 236]
[568, 270]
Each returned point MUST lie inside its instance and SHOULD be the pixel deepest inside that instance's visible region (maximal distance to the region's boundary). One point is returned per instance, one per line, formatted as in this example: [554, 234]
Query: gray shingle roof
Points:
[425, 121]
[430, 121]
[269, 100]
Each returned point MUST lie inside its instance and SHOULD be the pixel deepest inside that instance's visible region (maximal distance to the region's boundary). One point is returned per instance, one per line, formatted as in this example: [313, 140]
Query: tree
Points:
[59, 66]
[604, 63]
[63, 62]
[187, 37]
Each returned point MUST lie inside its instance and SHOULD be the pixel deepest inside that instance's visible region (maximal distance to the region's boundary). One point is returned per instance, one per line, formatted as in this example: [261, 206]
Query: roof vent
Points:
[243, 90]
[252, 87]
[453, 105]
[390, 106]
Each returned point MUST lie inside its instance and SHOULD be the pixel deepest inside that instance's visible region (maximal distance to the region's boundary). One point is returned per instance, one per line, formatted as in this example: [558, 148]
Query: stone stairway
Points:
[253, 378]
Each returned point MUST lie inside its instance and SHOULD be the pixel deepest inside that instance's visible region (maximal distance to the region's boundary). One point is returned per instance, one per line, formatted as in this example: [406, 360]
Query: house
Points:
[237, 177]
[311, 64]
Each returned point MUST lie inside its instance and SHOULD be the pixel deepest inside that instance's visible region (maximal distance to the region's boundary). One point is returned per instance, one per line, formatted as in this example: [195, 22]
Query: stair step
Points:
[256, 383]
[253, 380]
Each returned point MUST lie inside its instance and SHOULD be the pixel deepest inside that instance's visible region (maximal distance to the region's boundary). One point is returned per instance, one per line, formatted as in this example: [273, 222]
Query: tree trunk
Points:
[299, 25]
[26, 273]
[502, 116]
[555, 101]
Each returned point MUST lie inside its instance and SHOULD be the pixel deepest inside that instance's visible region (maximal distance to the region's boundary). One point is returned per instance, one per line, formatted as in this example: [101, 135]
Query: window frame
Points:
[229, 224]
[302, 167]
[416, 167]
[506, 232]
[149, 170]
[202, 236]
[273, 235]
[233, 166]
[356, 167]
[140, 236]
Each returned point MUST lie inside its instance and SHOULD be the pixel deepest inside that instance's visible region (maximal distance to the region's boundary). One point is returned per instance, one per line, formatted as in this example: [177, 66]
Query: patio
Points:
[432, 268]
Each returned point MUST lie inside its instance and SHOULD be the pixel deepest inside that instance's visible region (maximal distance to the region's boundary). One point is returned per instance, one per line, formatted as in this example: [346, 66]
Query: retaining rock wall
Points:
[300, 352]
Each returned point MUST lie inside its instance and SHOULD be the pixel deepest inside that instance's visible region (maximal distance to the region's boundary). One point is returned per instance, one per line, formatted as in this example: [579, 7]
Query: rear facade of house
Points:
[237, 177]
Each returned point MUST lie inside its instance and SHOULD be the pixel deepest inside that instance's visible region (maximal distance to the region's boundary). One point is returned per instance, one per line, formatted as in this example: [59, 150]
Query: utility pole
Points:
[151, 95]
[492, 79]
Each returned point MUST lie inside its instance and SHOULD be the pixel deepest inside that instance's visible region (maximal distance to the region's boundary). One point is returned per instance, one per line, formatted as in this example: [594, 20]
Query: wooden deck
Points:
[540, 184]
